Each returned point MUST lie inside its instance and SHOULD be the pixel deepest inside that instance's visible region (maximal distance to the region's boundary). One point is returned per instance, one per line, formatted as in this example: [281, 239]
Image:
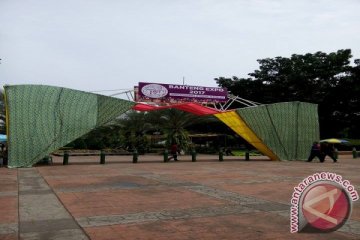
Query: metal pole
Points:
[135, 156]
[247, 155]
[221, 155]
[102, 157]
[193, 155]
[354, 152]
[166, 155]
[66, 158]
[336, 153]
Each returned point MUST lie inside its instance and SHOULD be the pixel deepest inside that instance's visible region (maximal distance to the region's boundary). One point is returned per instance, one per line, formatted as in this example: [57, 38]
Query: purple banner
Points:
[180, 93]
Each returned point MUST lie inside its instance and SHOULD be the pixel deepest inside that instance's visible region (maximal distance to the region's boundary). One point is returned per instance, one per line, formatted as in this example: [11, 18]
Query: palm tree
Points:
[174, 124]
[134, 126]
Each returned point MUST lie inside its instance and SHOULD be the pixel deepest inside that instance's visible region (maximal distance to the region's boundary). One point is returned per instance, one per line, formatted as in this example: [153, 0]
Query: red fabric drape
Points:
[194, 108]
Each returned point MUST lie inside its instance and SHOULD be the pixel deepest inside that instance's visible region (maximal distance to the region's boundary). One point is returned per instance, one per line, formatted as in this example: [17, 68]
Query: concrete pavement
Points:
[207, 199]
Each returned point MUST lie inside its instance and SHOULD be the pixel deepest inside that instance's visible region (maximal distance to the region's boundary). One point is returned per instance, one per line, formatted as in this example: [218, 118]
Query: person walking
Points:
[2, 154]
[174, 151]
[327, 150]
[315, 152]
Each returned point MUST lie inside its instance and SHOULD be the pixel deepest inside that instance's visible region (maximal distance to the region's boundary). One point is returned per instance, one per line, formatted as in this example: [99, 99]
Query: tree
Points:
[131, 130]
[175, 123]
[133, 127]
[325, 79]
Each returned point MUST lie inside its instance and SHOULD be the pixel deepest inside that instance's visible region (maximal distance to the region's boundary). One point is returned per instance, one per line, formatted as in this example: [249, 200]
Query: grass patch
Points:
[243, 152]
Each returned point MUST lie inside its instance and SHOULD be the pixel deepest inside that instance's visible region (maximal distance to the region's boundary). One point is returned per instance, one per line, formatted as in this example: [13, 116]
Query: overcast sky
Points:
[114, 44]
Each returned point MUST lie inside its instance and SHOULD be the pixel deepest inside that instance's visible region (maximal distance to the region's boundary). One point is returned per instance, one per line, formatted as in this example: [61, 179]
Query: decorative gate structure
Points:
[281, 131]
[41, 119]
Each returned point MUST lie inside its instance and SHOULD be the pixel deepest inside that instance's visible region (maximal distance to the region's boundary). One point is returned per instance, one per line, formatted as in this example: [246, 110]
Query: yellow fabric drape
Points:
[237, 124]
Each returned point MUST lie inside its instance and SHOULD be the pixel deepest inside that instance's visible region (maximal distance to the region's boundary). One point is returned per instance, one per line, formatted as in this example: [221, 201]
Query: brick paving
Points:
[207, 199]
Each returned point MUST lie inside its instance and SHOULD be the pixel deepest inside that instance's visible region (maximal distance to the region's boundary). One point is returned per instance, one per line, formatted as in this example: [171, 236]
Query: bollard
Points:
[336, 153]
[193, 155]
[102, 157]
[166, 155]
[66, 158]
[221, 155]
[354, 152]
[135, 156]
[49, 160]
[247, 156]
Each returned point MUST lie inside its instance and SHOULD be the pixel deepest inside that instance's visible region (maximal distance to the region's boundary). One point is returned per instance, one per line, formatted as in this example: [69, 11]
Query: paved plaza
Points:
[207, 199]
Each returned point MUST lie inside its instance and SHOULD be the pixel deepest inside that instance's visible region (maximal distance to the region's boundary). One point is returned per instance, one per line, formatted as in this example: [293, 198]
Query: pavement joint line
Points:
[47, 225]
[35, 192]
[135, 218]
[129, 185]
[221, 194]
[42, 216]
[66, 234]
[213, 192]
[80, 175]
[8, 194]
[238, 201]
[105, 187]
[253, 203]
[8, 228]
[33, 183]
[234, 199]
[93, 188]
[283, 213]
[352, 226]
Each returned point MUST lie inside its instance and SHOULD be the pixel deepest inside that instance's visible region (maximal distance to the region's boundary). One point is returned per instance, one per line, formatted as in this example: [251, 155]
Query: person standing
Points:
[174, 151]
[2, 154]
[315, 152]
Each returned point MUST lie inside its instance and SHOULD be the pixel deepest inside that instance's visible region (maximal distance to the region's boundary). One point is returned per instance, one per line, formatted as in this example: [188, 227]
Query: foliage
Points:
[132, 129]
[175, 124]
[325, 79]
[99, 138]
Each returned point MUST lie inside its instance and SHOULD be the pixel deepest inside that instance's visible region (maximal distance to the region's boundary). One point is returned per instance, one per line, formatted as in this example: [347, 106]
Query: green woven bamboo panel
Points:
[45, 118]
[308, 129]
[288, 129]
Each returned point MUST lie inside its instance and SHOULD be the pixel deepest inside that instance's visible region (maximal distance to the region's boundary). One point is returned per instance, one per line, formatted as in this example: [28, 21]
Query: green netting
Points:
[288, 129]
[308, 129]
[42, 119]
